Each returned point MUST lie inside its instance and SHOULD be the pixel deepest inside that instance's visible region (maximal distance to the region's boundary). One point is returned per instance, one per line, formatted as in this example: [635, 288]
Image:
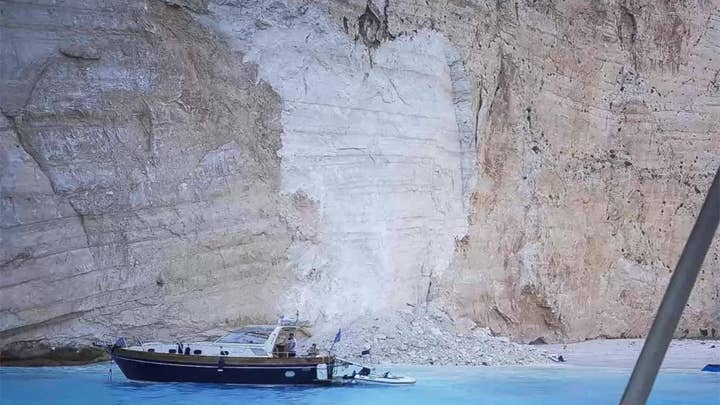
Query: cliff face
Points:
[172, 167]
[141, 182]
[600, 142]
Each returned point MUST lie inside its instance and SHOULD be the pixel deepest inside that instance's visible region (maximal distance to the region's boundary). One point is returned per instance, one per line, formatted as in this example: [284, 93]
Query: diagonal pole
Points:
[674, 300]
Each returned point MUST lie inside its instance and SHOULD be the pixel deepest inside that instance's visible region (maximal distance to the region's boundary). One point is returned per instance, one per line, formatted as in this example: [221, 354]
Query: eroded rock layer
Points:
[141, 182]
[172, 167]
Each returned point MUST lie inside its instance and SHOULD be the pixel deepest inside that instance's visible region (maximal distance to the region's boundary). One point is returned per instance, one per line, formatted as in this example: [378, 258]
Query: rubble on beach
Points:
[428, 339]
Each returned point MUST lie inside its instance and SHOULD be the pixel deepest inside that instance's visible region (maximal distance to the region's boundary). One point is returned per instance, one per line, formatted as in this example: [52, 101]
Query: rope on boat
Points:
[350, 362]
[354, 363]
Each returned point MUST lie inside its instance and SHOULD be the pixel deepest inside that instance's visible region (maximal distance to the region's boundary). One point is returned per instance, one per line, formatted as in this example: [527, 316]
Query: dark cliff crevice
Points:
[80, 52]
[196, 6]
[83, 223]
[16, 260]
[373, 25]
[627, 32]
[481, 88]
[714, 85]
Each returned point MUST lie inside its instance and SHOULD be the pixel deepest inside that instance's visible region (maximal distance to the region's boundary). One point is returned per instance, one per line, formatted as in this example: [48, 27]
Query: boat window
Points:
[248, 335]
[258, 352]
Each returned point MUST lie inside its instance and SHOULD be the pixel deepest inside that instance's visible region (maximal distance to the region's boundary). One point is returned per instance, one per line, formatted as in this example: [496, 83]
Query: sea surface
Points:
[436, 385]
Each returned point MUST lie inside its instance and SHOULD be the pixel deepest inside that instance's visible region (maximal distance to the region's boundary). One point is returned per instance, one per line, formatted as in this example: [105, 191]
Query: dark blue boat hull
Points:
[255, 374]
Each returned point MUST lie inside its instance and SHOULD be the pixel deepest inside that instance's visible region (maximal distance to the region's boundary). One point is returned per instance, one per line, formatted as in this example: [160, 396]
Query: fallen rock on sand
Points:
[404, 337]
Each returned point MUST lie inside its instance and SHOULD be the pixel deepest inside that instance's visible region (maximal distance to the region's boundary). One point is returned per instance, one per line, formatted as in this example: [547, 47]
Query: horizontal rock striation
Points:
[140, 176]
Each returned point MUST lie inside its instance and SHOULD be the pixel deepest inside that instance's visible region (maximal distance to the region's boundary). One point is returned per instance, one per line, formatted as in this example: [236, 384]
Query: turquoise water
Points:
[436, 385]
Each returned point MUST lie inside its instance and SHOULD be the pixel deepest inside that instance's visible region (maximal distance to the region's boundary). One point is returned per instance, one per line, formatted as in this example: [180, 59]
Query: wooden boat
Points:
[249, 355]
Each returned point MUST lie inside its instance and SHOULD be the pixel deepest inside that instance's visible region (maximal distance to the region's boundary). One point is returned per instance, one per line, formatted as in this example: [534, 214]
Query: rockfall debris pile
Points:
[429, 339]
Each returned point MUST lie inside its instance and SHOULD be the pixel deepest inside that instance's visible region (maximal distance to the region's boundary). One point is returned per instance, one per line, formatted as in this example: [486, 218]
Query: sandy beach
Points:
[622, 353]
[404, 337]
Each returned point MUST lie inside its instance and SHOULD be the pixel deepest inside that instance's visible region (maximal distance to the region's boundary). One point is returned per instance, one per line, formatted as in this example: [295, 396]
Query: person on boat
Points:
[292, 343]
[313, 350]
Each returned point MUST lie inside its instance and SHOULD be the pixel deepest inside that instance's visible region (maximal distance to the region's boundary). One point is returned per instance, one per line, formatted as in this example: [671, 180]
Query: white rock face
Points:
[380, 140]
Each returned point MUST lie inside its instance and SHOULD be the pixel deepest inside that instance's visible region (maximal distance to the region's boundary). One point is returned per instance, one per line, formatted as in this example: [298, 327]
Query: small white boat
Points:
[365, 374]
[386, 378]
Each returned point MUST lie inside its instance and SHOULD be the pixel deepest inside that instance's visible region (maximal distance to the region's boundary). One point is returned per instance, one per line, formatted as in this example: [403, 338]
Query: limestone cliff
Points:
[171, 167]
[140, 176]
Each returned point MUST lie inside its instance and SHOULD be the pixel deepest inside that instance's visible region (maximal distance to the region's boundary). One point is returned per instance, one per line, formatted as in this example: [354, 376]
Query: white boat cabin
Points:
[249, 341]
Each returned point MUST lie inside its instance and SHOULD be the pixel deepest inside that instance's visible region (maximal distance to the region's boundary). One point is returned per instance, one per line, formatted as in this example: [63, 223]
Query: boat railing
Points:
[287, 354]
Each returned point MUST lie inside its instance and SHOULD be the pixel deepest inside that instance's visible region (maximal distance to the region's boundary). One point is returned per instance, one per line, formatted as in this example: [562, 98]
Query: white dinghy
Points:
[365, 374]
[386, 378]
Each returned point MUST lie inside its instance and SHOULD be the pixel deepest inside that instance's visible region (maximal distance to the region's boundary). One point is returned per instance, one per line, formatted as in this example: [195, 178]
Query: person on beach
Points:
[292, 343]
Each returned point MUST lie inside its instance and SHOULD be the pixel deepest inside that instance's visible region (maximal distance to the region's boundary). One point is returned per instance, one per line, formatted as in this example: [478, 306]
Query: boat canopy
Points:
[253, 335]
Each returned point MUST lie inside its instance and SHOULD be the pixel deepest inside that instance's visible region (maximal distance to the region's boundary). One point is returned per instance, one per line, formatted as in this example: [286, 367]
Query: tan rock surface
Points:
[171, 167]
[140, 185]
[600, 142]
